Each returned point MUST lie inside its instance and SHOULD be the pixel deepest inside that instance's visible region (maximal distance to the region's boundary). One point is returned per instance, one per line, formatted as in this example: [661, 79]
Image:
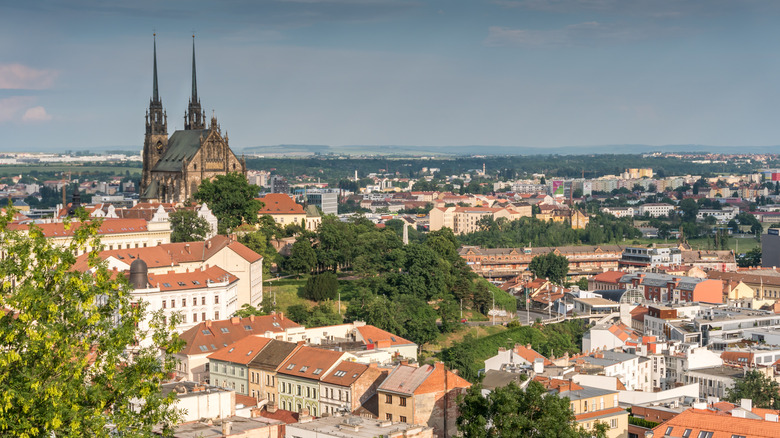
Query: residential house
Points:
[519, 355]
[608, 337]
[465, 219]
[263, 369]
[634, 371]
[591, 405]
[349, 386]
[609, 280]
[229, 366]
[299, 377]
[704, 422]
[283, 209]
[425, 395]
[673, 289]
[209, 336]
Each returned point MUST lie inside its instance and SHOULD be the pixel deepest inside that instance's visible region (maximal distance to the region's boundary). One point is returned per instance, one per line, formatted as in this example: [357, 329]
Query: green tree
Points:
[302, 258]
[187, 226]
[70, 362]
[582, 283]
[258, 242]
[750, 258]
[551, 266]
[689, 208]
[756, 386]
[511, 412]
[231, 199]
[321, 287]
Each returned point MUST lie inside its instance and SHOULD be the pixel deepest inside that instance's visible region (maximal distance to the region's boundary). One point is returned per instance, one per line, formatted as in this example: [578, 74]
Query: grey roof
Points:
[183, 145]
[405, 379]
[612, 295]
[610, 358]
[661, 280]
[352, 426]
[587, 392]
[151, 190]
[272, 355]
[498, 379]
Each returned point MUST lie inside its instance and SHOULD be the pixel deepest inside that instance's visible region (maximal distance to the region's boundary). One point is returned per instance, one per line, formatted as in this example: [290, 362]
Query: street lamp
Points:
[494, 306]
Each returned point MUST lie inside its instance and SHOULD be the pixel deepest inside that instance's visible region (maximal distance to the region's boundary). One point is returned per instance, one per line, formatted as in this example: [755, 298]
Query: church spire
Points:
[194, 117]
[155, 94]
[194, 81]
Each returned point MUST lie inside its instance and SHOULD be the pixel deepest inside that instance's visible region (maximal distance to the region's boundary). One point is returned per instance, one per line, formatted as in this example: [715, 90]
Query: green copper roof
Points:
[183, 145]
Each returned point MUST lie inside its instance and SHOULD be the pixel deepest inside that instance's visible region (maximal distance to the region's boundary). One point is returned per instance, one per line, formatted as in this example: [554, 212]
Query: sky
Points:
[77, 74]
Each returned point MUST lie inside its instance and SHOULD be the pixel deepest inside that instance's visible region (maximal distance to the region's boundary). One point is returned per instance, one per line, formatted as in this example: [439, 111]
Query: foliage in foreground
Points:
[513, 412]
[65, 363]
[764, 392]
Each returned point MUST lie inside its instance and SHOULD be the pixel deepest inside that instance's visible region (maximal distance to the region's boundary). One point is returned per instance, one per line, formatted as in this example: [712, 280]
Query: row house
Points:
[349, 386]
[426, 395]
[299, 377]
[209, 336]
[766, 285]
[264, 366]
[229, 366]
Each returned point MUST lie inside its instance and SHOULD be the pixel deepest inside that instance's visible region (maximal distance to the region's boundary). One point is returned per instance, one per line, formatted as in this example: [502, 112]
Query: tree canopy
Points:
[70, 364]
[187, 226]
[764, 391]
[231, 199]
[510, 412]
[551, 266]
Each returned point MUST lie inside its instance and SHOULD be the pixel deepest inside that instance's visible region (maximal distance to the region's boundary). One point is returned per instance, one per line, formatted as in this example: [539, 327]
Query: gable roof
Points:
[242, 351]
[345, 373]
[530, 355]
[409, 380]
[722, 425]
[609, 277]
[307, 360]
[210, 336]
[108, 226]
[198, 279]
[274, 355]
[279, 203]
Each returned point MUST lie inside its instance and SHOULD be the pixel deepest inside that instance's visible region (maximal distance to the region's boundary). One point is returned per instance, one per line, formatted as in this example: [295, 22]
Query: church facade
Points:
[173, 167]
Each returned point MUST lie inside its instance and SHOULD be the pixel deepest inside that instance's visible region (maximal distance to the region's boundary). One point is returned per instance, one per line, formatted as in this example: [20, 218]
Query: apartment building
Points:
[665, 288]
[465, 219]
[229, 366]
[263, 368]
[348, 386]
[655, 209]
[298, 379]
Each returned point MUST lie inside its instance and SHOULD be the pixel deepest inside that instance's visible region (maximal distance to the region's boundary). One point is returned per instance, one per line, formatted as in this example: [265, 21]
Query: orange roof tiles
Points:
[198, 279]
[241, 351]
[609, 277]
[379, 338]
[530, 355]
[722, 426]
[310, 362]
[345, 373]
[279, 203]
[108, 226]
[210, 336]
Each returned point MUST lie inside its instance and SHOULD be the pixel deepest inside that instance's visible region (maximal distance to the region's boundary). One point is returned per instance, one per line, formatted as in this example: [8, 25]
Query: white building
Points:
[722, 216]
[655, 209]
[620, 211]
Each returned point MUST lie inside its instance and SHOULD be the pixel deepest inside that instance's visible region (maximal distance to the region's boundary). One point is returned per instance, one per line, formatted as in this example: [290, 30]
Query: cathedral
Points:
[175, 166]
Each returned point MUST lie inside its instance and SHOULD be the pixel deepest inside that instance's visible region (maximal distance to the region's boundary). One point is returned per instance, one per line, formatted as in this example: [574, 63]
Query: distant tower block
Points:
[406, 232]
[483, 168]
[356, 178]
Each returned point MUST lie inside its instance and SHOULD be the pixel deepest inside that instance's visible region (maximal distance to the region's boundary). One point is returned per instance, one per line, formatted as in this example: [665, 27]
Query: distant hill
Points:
[500, 150]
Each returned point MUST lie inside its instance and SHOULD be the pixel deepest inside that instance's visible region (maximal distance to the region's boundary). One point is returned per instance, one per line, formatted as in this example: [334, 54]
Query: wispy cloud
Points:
[645, 8]
[588, 33]
[12, 107]
[22, 77]
[36, 114]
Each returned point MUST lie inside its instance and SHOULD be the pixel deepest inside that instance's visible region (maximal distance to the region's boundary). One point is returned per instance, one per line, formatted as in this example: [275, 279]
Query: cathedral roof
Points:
[183, 145]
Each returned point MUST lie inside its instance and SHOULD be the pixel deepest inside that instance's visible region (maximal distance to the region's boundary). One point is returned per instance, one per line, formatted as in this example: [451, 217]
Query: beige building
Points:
[283, 209]
[575, 218]
[465, 219]
[425, 396]
[263, 368]
[591, 405]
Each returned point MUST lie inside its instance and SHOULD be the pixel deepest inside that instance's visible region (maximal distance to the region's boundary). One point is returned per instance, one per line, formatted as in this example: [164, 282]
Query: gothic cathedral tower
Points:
[194, 117]
[156, 137]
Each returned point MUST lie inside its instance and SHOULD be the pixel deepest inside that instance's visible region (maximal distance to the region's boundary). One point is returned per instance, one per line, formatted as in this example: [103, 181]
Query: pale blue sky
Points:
[545, 73]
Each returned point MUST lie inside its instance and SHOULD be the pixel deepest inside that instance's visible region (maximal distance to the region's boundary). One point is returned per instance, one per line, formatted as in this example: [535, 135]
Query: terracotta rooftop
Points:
[197, 279]
[210, 336]
[242, 351]
[345, 373]
[609, 277]
[405, 379]
[530, 355]
[279, 203]
[274, 355]
[108, 226]
[721, 426]
[310, 362]
[379, 338]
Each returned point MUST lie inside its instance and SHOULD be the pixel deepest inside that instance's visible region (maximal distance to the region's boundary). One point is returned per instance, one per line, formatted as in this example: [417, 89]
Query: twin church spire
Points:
[157, 119]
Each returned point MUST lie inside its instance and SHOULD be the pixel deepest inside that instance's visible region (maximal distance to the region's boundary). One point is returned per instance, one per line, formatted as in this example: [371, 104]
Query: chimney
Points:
[208, 244]
[281, 316]
[405, 362]
[235, 320]
[252, 318]
[227, 427]
[271, 408]
[746, 404]
[187, 248]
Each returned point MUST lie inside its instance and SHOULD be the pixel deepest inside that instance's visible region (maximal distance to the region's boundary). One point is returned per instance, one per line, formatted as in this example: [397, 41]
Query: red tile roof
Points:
[609, 277]
[279, 203]
[530, 355]
[600, 413]
[198, 279]
[288, 417]
[722, 426]
[308, 360]
[379, 338]
[345, 373]
[210, 336]
[108, 226]
[242, 351]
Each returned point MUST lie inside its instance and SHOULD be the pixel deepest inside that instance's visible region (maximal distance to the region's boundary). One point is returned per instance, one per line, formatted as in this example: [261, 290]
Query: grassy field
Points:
[75, 169]
[739, 245]
[286, 293]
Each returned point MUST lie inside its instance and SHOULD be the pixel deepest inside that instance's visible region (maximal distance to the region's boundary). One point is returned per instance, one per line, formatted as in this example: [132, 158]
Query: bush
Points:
[321, 287]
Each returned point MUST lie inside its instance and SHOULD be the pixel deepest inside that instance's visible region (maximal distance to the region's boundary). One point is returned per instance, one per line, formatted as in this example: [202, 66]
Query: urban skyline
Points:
[510, 73]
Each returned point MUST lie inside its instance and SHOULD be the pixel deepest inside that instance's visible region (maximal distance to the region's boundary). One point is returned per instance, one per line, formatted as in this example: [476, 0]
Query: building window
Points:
[389, 417]
[203, 301]
[184, 302]
[242, 388]
[216, 315]
[613, 423]
[388, 399]
[216, 299]
[299, 393]
[403, 419]
[194, 317]
[402, 402]
[165, 304]
[203, 316]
